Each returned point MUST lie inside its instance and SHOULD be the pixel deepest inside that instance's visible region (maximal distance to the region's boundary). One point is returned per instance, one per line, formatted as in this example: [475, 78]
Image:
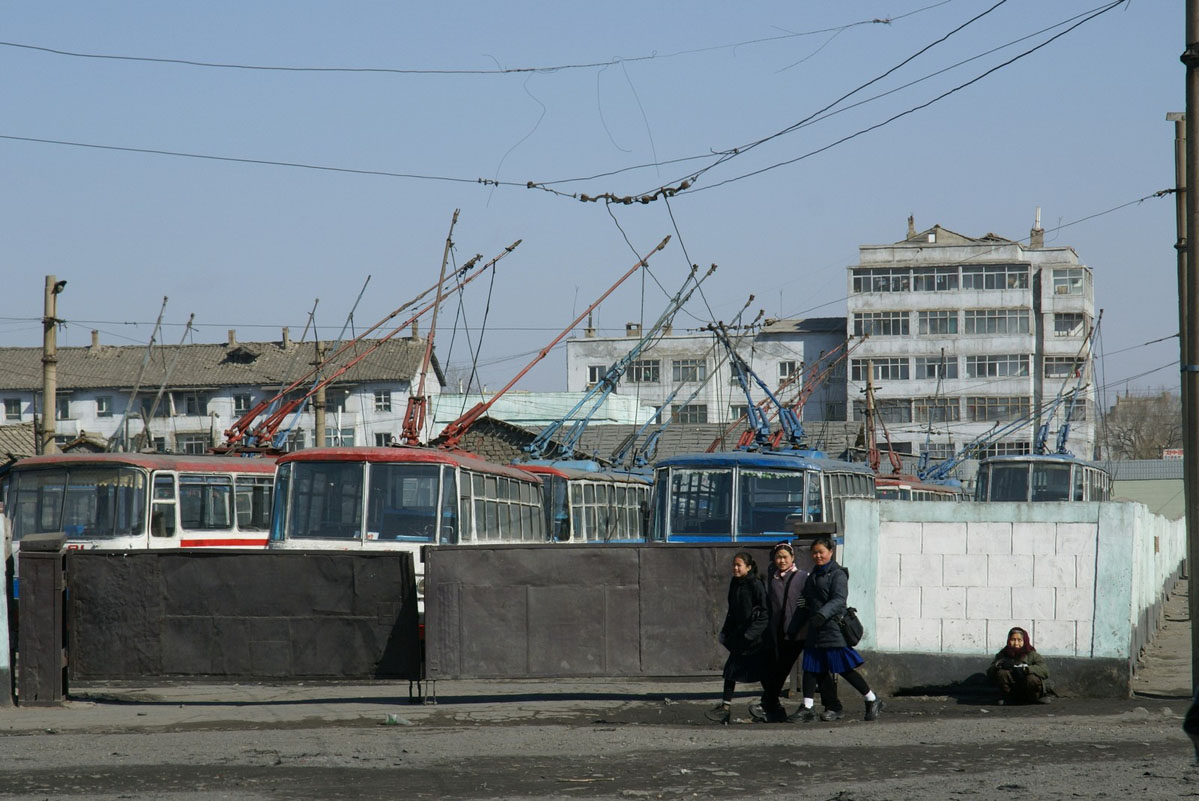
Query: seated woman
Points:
[1020, 672]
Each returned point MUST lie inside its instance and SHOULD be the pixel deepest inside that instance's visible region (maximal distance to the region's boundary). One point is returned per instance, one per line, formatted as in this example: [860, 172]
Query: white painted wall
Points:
[954, 578]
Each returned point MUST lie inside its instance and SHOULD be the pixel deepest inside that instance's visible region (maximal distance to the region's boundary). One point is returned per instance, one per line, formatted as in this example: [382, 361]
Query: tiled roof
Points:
[16, 442]
[199, 366]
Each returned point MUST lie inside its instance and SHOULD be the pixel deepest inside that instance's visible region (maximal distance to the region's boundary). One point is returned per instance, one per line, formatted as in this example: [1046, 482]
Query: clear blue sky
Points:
[1077, 128]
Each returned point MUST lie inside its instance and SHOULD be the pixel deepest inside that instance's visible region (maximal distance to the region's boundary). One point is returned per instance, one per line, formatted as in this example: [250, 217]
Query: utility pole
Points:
[1188, 301]
[319, 404]
[45, 439]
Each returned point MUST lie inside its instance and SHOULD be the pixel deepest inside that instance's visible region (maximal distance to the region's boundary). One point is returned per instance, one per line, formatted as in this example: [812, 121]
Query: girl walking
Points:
[826, 653]
[743, 633]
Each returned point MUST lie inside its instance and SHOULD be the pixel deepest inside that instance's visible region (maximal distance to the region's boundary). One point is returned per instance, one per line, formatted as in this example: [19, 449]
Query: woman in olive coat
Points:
[743, 632]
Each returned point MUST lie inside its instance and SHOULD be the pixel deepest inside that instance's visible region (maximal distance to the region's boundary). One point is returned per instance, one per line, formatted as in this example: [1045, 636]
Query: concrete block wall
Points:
[952, 579]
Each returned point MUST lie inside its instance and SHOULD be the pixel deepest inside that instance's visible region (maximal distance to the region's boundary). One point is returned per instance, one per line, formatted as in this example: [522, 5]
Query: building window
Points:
[382, 440]
[241, 403]
[645, 371]
[989, 409]
[382, 400]
[935, 279]
[996, 321]
[884, 369]
[938, 410]
[162, 410]
[690, 413]
[881, 324]
[1062, 366]
[104, 406]
[159, 444]
[738, 410]
[1069, 282]
[12, 408]
[937, 322]
[1008, 448]
[1069, 325]
[834, 410]
[938, 451]
[595, 373]
[339, 437]
[297, 439]
[889, 410]
[995, 276]
[882, 279]
[936, 367]
[1006, 366]
[62, 408]
[195, 405]
[683, 370]
[192, 443]
[787, 369]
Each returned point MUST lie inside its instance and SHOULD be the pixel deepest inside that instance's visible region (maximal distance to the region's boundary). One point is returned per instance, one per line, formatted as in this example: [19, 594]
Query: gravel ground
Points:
[932, 749]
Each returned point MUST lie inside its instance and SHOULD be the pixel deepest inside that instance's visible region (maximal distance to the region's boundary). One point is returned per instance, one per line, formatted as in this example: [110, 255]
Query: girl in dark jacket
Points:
[743, 632]
[827, 594]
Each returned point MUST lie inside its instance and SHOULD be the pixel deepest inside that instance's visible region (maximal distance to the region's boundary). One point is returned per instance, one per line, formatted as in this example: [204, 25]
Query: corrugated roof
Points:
[1144, 469]
[199, 366]
[806, 325]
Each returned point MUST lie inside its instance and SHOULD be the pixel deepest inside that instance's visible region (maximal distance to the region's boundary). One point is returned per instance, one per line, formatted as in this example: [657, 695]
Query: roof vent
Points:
[233, 337]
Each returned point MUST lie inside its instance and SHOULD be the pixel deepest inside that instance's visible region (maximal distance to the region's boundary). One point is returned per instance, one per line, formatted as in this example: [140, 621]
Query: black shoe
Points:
[803, 715]
[776, 715]
[874, 708]
[718, 714]
[830, 715]
[757, 712]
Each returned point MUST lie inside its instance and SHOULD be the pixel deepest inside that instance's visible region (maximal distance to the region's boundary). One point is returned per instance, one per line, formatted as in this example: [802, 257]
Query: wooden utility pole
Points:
[1188, 304]
[45, 437]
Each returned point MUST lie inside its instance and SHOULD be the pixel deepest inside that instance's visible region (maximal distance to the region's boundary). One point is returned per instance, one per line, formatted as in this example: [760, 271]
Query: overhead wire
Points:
[587, 65]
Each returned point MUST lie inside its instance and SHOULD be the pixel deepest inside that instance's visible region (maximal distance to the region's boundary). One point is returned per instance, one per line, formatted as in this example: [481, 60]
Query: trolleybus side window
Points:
[1080, 485]
[1009, 482]
[768, 499]
[325, 500]
[403, 502]
[162, 516]
[96, 503]
[1051, 482]
[252, 495]
[815, 504]
[702, 502]
[448, 532]
[205, 502]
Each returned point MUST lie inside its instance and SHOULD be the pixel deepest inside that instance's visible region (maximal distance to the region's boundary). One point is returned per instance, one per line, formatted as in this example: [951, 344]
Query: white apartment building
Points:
[965, 334]
[690, 372]
[189, 395]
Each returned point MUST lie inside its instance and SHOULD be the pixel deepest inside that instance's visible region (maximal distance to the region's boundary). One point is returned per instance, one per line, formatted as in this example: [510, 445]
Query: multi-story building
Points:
[184, 397]
[690, 372]
[963, 336]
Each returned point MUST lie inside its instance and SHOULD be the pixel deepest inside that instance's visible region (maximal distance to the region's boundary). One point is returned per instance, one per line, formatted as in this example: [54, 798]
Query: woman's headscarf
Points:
[1018, 653]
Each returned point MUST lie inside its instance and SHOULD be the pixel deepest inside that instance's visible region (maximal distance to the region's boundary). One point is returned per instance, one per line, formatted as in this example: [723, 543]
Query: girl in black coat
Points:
[826, 652]
[743, 632]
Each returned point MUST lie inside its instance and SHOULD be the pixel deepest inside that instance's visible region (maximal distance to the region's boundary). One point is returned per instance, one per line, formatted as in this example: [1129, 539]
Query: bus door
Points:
[164, 511]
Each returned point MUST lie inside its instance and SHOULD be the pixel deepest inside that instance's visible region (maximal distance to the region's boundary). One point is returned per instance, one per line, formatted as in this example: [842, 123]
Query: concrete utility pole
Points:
[50, 321]
[1189, 323]
[319, 403]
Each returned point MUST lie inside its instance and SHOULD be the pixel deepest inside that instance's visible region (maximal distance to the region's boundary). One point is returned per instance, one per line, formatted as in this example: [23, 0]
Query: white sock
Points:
[870, 696]
[808, 703]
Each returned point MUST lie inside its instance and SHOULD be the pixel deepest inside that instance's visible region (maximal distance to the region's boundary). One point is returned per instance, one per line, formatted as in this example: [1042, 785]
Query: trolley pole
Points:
[1189, 324]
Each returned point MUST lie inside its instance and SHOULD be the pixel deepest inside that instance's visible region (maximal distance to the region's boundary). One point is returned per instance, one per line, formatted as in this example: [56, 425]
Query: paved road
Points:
[595, 740]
